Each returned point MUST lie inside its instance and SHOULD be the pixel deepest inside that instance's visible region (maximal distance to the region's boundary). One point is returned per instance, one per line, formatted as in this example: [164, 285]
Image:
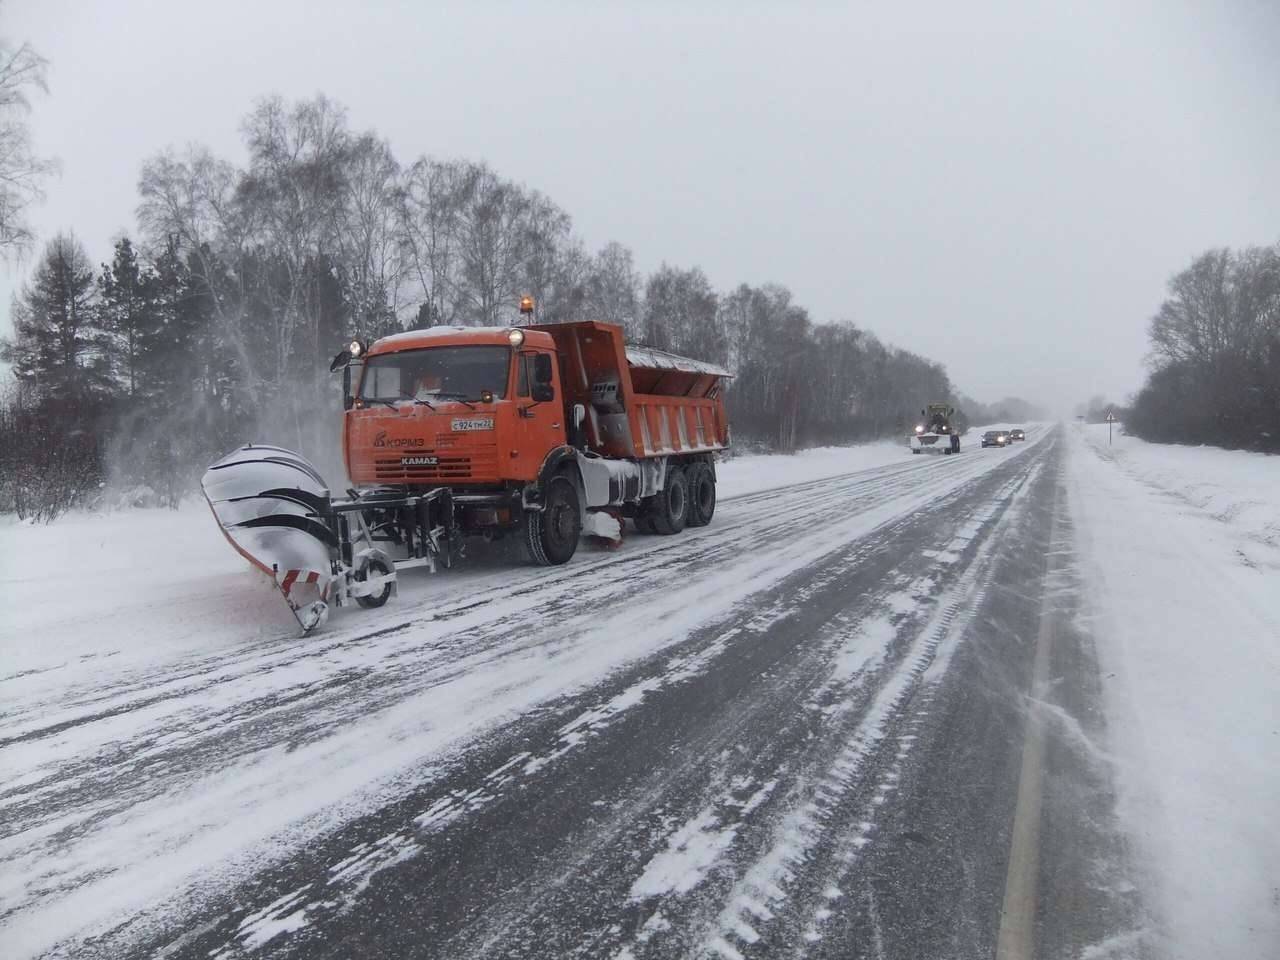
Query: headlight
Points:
[919, 429]
[356, 348]
[515, 337]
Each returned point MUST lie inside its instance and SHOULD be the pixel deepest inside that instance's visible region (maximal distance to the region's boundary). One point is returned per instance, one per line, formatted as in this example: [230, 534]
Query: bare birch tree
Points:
[22, 172]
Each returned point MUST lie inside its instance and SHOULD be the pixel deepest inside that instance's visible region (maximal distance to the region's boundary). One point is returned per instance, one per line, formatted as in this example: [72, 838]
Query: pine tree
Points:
[187, 357]
[130, 316]
[58, 348]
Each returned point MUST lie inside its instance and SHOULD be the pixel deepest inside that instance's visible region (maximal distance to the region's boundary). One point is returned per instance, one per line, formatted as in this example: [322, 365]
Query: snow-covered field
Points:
[1182, 553]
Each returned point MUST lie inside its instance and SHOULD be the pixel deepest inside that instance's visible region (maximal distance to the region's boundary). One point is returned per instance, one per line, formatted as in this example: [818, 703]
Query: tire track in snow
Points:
[856, 736]
[351, 875]
[520, 919]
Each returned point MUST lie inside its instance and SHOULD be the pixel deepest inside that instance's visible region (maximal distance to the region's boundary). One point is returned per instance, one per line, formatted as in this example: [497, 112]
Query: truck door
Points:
[539, 420]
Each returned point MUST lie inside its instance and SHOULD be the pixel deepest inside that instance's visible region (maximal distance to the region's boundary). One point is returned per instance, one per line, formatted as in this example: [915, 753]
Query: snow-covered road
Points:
[794, 731]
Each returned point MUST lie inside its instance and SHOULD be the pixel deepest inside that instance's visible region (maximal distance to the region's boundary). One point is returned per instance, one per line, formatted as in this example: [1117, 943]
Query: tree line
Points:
[213, 325]
[1215, 355]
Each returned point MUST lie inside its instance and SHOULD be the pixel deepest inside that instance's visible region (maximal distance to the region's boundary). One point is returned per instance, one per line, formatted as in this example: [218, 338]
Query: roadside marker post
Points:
[1111, 418]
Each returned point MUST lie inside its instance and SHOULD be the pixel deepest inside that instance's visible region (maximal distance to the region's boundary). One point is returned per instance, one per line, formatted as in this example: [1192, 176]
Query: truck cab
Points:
[936, 432]
[468, 407]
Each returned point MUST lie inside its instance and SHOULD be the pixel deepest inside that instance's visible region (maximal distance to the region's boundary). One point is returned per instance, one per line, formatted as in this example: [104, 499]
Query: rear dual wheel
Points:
[687, 499]
[702, 494]
[669, 510]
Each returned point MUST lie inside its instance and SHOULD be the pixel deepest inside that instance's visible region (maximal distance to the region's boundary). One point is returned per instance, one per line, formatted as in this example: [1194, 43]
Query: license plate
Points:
[419, 461]
[465, 424]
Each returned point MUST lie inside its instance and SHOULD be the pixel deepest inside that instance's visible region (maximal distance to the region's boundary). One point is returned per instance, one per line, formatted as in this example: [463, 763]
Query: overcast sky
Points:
[1003, 187]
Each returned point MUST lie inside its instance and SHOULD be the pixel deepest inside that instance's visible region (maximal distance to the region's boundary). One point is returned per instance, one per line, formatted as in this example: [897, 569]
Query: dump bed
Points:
[640, 402]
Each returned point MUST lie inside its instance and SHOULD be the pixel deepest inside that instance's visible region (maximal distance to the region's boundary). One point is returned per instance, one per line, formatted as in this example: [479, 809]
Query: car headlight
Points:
[919, 429]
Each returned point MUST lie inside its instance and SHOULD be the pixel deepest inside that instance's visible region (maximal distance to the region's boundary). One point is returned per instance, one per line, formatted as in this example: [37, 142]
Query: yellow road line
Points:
[1017, 938]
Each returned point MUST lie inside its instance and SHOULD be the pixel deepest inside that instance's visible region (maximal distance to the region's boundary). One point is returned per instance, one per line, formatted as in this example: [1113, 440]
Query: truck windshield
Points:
[437, 373]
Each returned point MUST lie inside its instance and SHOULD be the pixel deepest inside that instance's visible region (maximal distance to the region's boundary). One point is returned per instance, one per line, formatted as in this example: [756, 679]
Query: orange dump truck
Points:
[456, 431]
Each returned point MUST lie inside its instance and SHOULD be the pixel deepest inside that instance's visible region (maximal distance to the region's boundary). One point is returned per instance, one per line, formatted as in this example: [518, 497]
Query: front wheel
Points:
[551, 534]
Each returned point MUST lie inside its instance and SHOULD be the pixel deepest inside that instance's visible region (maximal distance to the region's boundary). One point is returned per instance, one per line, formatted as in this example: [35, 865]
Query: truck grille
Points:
[450, 467]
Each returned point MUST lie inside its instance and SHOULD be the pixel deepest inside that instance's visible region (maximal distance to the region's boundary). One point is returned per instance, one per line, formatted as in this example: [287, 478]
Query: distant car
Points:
[995, 438]
[1017, 433]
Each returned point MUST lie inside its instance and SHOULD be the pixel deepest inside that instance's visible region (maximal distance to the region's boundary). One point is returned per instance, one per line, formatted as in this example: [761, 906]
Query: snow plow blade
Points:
[934, 443]
[275, 510]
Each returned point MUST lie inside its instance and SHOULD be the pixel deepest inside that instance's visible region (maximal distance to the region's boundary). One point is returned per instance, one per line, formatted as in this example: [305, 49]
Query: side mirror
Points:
[542, 392]
[922, 413]
[340, 361]
[348, 401]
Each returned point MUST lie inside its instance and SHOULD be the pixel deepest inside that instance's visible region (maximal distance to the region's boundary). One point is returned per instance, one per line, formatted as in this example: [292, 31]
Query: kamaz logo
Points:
[382, 440]
[419, 461]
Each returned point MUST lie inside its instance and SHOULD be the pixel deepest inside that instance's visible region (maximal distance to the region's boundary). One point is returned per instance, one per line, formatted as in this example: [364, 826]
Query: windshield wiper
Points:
[417, 400]
[460, 397]
[389, 403]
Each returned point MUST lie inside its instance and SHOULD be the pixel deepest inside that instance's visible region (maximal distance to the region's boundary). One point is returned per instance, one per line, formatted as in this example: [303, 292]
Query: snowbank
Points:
[1181, 552]
[1236, 487]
